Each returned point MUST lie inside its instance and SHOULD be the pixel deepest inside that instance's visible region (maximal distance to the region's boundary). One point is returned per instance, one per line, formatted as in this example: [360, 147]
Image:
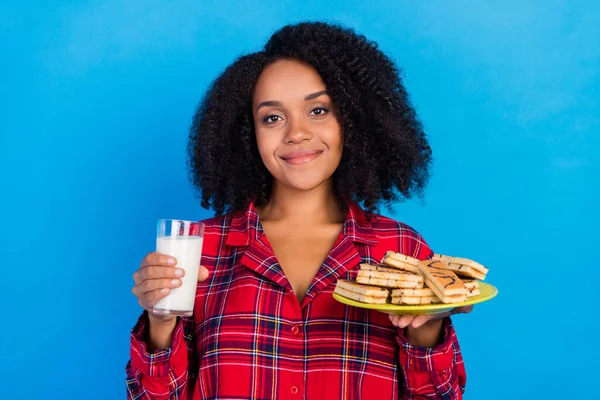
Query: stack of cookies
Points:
[404, 280]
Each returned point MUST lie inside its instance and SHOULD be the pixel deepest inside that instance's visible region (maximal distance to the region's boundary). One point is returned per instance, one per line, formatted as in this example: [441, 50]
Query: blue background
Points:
[96, 98]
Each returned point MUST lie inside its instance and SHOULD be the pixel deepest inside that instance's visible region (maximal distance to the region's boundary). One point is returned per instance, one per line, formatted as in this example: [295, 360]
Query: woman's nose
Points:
[298, 132]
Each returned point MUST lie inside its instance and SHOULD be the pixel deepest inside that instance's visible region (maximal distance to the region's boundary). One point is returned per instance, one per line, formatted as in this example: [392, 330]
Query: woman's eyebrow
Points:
[270, 103]
[315, 95]
[273, 103]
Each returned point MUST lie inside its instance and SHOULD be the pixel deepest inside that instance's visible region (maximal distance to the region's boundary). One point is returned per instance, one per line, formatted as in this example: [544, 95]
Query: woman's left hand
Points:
[425, 330]
[417, 321]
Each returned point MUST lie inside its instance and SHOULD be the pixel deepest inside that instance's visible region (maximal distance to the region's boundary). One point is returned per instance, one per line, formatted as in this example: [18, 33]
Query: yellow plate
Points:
[486, 292]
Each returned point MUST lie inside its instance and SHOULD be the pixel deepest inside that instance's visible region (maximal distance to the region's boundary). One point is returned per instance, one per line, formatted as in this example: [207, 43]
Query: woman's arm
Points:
[432, 372]
[162, 373]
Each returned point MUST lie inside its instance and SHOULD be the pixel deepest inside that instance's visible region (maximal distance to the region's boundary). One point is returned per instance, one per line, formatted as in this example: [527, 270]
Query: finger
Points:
[157, 284]
[202, 274]
[463, 310]
[154, 272]
[421, 320]
[150, 299]
[155, 258]
[394, 318]
[405, 320]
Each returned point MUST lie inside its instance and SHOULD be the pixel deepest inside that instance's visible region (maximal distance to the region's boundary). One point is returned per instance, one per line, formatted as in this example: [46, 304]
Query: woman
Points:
[285, 146]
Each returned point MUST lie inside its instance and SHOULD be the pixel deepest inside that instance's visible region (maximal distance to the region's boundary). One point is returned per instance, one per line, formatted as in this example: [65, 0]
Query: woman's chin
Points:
[304, 185]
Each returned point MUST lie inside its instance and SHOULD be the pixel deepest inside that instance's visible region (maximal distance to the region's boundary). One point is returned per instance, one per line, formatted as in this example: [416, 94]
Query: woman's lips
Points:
[301, 156]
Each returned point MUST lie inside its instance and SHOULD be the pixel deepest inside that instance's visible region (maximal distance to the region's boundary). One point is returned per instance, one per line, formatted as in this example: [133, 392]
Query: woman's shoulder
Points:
[217, 229]
[216, 223]
[398, 236]
[383, 222]
[216, 233]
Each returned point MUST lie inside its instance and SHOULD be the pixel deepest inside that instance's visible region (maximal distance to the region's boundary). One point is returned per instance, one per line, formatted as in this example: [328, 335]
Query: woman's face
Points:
[298, 136]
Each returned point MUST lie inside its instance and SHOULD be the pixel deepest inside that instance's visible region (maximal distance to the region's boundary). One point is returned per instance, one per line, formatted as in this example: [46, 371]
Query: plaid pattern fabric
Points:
[249, 337]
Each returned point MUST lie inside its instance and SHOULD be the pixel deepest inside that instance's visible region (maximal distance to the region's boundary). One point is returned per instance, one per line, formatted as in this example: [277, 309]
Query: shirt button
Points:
[295, 332]
[294, 390]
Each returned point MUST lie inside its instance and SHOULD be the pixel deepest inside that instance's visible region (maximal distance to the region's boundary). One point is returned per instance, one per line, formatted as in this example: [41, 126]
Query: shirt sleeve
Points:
[432, 373]
[164, 374]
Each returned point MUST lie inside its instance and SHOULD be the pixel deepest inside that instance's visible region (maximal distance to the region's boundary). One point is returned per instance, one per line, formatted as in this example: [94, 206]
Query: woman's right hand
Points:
[157, 275]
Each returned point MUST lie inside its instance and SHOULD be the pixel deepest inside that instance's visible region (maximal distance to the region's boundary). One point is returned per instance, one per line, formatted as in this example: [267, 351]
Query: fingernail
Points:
[175, 282]
[179, 272]
[164, 291]
[171, 261]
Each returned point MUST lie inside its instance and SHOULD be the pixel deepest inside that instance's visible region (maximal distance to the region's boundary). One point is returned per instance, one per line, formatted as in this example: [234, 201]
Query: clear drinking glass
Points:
[182, 240]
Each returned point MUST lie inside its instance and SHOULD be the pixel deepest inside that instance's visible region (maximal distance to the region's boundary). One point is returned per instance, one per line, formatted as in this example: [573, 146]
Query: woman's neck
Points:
[302, 207]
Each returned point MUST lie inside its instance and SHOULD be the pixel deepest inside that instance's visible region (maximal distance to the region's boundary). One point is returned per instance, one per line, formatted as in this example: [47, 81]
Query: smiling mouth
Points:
[301, 158]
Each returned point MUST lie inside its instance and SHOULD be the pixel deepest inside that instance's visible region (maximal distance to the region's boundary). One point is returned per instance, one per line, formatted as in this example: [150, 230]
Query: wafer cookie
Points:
[381, 268]
[390, 274]
[424, 292]
[387, 282]
[362, 293]
[463, 266]
[414, 300]
[360, 297]
[472, 286]
[444, 283]
[445, 298]
[400, 261]
[361, 289]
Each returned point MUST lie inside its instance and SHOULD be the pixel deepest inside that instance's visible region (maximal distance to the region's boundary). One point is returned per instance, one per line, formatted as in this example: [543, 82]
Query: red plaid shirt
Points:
[249, 337]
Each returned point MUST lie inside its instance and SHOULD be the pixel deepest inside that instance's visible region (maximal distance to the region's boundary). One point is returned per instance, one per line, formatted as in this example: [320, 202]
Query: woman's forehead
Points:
[287, 79]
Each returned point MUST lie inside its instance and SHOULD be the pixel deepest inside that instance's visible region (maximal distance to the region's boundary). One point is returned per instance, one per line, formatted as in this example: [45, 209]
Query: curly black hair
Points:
[386, 155]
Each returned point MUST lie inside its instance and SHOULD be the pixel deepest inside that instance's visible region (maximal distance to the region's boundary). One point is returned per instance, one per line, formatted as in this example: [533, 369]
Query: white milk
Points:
[187, 250]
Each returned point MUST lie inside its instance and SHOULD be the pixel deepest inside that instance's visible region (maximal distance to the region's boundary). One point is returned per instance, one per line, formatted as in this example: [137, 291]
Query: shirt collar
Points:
[245, 226]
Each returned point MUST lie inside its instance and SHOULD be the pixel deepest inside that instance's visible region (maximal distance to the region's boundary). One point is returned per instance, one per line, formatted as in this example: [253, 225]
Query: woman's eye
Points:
[271, 119]
[319, 111]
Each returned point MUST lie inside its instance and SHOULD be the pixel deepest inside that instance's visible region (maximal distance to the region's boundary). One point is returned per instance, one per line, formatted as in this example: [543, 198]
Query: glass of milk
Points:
[182, 240]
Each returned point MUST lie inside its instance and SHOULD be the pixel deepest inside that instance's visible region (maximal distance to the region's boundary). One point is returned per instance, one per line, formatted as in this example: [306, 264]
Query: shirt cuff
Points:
[157, 363]
[431, 359]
